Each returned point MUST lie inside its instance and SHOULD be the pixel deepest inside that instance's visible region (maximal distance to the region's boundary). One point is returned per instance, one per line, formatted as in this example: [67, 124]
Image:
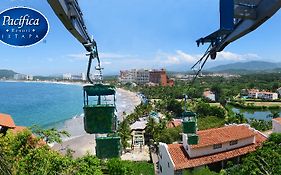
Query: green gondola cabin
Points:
[99, 112]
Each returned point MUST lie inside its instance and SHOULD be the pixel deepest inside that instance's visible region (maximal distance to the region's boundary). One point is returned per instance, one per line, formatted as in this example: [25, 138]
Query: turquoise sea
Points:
[43, 104]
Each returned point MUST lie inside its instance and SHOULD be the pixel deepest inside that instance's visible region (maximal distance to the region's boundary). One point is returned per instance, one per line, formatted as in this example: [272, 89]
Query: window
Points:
[233, 142]
[160, 168]
[168, 165]
[217, 146]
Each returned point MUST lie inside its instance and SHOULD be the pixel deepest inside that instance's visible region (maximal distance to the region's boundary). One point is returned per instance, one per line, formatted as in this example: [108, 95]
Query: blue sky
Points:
[137, 34]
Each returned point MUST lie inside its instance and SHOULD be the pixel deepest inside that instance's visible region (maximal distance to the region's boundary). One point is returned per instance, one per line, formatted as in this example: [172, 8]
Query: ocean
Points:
[42, 104]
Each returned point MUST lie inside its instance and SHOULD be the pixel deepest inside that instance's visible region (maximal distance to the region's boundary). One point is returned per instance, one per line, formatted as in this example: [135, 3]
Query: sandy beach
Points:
[81, 142]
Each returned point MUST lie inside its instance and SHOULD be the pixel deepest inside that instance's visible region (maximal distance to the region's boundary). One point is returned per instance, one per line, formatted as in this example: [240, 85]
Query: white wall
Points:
[165, 160]
[276, 127]
[225, 147]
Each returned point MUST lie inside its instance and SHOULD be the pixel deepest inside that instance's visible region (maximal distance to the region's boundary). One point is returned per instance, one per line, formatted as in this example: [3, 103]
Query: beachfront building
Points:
[23, 77]
[276, 125]
[69, 76]
[215, 147]
[160, 77]
[144, 76]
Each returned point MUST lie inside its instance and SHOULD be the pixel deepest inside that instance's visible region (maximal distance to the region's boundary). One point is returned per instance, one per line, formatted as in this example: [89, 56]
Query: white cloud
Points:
[81, 56]
[106, 63]
[179, 57]
[229, 56]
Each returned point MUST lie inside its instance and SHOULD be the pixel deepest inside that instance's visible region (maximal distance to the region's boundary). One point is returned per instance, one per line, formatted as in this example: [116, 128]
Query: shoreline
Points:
[46, 82]
[81, 142]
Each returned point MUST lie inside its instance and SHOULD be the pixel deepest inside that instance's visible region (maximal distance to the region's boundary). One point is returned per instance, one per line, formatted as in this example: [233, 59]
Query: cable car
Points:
[99, 111]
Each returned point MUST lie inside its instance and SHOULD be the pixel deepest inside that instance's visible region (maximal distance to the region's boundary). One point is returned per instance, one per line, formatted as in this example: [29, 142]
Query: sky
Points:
[137, 34]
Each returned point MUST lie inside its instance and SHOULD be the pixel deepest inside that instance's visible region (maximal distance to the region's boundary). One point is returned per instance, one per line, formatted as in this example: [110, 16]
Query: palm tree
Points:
[124, 132]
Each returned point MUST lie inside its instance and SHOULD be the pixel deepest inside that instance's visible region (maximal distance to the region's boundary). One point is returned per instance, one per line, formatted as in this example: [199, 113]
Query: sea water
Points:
[42, 104]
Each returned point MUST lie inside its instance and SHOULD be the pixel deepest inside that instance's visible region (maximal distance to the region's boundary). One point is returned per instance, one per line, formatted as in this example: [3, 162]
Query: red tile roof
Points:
[182, 160]
[278, 120]
[7, 121]
[223, 135]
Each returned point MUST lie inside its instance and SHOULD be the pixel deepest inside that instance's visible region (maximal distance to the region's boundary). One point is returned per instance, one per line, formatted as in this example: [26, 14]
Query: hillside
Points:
[7, 73]
[251, 66]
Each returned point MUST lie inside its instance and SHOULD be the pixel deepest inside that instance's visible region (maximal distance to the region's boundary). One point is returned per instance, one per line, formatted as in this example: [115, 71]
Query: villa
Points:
[215, 146]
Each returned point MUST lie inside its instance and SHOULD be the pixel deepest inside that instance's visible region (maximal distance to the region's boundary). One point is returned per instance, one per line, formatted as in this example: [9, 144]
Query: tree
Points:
[118, 167]
[265, 160]
[124, 132]
[49, 135]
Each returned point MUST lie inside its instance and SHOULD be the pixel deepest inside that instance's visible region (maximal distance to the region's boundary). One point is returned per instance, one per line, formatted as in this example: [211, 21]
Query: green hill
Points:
[7, 73]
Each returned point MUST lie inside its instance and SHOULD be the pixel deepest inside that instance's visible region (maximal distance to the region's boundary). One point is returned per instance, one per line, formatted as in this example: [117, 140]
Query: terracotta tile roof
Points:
[278, 120]
[7, 121]
[223, 135]
[174, 123]
[182, 160]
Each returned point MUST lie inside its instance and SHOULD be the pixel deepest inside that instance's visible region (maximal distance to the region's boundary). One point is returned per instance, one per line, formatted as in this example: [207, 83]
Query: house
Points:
[138, 132]
[215, 147]
[253, 93]
[276, 125]
[6, 122]
[267, 95]
[209, 95]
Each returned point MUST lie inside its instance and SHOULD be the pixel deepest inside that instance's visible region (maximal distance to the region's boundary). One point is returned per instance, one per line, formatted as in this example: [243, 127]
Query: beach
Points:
[81, 142]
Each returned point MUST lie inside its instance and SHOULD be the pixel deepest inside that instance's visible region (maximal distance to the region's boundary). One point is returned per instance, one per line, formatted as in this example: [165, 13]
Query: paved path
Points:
[155, 162]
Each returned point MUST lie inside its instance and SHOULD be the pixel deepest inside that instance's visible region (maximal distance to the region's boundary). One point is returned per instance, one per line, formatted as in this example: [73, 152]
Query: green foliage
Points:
[238, 118]
[49, 135]
[275, 137]
[260, 125]
[124, 132]
[118, 167]
[170, 135]
[171, 107]
[209, 122]
[266, 160]
[200, 171]
[142, 110]
[204, 109]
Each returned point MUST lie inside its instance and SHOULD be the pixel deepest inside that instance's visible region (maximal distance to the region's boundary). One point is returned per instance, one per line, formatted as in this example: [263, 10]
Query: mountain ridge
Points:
[246, 66]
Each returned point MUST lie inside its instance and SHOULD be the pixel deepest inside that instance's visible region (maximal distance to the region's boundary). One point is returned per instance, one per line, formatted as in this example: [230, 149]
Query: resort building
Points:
[23, 77]
[160, 77]
[276, 125]
[255, 93]
[214, 148]
[144, 76]
[69, 76]
[267, 95]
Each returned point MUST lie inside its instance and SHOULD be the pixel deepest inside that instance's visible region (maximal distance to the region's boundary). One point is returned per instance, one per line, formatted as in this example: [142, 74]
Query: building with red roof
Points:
[214, 146]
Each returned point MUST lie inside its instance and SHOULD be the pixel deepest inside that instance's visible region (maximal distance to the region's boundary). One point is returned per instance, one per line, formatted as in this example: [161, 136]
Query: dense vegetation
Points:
[266, 160]
[25, 154]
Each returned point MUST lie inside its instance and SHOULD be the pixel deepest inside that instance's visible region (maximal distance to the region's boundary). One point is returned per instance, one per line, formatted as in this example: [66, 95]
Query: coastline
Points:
[47, 82]
[81, 142]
